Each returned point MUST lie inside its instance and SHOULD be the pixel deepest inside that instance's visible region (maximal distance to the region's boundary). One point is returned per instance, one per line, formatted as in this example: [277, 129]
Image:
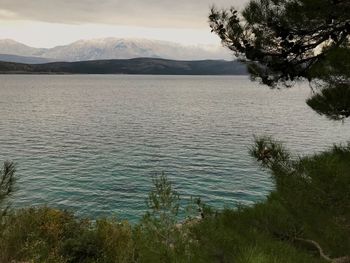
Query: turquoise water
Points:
[92, 143]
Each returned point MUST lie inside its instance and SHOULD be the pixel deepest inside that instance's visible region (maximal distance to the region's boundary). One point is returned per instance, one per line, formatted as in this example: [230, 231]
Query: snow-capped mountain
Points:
[11, 47]
[114, 48]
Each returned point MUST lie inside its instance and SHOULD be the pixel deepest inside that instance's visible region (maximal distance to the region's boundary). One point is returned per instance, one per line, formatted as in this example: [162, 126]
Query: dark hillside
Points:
[130, 66]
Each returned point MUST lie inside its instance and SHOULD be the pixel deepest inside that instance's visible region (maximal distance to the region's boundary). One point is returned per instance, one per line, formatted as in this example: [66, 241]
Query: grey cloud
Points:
[155, 13]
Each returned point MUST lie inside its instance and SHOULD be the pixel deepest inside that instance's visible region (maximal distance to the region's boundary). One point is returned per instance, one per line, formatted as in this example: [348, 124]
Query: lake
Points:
[91, 143]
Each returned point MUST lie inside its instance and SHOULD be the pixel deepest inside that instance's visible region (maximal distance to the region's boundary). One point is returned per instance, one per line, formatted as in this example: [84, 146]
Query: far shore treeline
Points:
[149, 66]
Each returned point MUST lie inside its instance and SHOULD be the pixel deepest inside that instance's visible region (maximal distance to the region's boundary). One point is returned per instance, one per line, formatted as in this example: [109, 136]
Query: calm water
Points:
[92, 143]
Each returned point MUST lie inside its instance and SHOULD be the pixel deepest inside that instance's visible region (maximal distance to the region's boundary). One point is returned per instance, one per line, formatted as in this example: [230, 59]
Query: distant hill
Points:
[23, 59]
[115, 48]
[129, 66]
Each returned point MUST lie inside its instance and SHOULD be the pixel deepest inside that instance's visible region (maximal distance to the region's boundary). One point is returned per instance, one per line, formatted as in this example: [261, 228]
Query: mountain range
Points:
[109, 48]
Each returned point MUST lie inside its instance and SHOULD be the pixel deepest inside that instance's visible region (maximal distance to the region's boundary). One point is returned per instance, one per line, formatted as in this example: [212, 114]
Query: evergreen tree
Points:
[283, 41]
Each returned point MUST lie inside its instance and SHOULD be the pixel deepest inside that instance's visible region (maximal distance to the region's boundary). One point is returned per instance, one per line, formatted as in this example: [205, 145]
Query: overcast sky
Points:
[46, 23]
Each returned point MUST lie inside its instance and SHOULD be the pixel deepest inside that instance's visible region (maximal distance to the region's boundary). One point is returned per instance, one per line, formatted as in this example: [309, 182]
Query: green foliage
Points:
[36, 234]
[163, 204]
[7, 181]
[286, 40]
[310, 202]
[282, 41]
[248, 235]
[321, 180]
[334, 68]
[284, 36]
[50, 235]
[332, 101]
[270, 154]
[163, 201]
[159, 238]
[315, 191]
[105, 241]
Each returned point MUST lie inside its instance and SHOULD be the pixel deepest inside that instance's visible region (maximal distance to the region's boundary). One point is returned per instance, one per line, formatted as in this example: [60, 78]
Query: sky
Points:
[48, 23]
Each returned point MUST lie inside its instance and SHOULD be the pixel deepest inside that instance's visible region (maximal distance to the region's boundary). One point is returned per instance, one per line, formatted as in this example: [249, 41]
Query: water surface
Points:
[92, 143]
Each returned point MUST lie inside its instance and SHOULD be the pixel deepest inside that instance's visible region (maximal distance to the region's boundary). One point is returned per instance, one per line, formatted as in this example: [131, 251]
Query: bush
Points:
[107, 241]
[314, 191]
[50, 235]
[37, 233]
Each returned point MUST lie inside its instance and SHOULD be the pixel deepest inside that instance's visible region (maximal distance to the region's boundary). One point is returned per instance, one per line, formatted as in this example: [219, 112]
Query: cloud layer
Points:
[153, 13]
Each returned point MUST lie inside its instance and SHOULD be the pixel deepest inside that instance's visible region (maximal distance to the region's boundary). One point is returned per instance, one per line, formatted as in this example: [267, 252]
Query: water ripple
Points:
[92, 143]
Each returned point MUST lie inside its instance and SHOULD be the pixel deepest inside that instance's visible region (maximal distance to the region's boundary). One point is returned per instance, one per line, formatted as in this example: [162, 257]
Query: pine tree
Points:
[283, 41]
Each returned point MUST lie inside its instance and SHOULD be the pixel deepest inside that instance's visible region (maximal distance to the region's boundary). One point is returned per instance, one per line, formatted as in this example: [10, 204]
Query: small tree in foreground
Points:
[163, 203]
[7, 181]
[157, 232]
